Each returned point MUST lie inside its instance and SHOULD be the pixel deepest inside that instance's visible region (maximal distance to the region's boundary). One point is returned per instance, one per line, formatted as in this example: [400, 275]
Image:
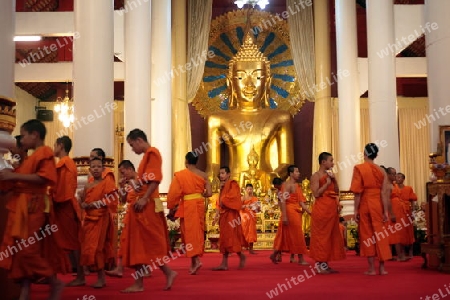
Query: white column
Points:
[322, 105]
[137, 72]
[348, 93]
[181, 132]
[382, 82]
[93, 76]
[7, 57]
[161, 113]
[8, 48]
[437, 41]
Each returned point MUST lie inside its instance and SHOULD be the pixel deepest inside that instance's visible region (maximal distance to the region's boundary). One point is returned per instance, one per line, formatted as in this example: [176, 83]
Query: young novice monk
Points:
[97, 230]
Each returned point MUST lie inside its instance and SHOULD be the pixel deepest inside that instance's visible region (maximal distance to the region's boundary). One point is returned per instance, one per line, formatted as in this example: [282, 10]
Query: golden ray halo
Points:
[226, 27]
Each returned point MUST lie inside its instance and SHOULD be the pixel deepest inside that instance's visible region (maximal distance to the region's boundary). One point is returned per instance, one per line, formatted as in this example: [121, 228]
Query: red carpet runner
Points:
[262, 280]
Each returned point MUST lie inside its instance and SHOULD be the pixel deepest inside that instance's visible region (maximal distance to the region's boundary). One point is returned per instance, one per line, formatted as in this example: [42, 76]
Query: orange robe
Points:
[66, 207]
[290, 238]
[231, 237]
[407, 195]
[28, 207]
[400, 236]
[248, 221]
[98, 230]
[368, 180]
[186, 191]
[147, 238]
[326, 237]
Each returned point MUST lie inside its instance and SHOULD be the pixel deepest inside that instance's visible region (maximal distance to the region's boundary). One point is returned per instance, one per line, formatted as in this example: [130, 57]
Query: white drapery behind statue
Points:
[199, 21]
[301, 31]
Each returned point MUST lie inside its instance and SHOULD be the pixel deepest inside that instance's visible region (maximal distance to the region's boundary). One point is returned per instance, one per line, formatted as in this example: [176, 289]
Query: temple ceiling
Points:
[48, 91]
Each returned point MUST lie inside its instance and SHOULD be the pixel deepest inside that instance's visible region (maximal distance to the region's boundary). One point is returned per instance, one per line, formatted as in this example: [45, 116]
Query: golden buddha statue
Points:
[249, 125]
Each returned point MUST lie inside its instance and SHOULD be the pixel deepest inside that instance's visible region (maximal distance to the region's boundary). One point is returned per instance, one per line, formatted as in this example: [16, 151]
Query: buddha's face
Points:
[249, 81]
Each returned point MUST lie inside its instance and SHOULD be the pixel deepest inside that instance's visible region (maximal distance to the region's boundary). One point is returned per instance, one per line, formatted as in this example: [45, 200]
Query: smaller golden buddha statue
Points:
[307, 192]
[258, 178]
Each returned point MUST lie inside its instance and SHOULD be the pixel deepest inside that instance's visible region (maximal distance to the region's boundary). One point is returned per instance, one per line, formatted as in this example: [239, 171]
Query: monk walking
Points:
[187, 194]
[98, 231]
[407, 197]
[372, 207]
[290, 235]
[248, 217]
[127, 180]
[66, 208]
[326, 239]
[26, 205]
[231, 238]
[147, 239]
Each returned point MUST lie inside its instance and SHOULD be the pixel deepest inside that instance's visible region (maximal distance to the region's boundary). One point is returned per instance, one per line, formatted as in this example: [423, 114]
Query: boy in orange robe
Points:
[398, 236]
[127, 180]
[97, 230]
[67, 213]
[372, 208]
[407, 197]
[248, 217]
[326, 239]
[231, 238]
[147, 240]
[187, 194]
[28, 204]
[290, 235]
[112, 199]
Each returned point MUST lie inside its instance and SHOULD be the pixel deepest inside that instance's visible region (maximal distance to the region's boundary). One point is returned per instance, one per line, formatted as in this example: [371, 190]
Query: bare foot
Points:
[252, 252]
[56, 288]
[99, 284]
[220, 268]
[324, 272]
[76, 282]
[303, 263]
[273, 259]
[114, 273]
[133, 289]
[194, 270]
[292, 260]
[170, 279]
[332, 271]
[370, 273]
[383, 273]
[24, 296]
[86, 271]
[242, 261]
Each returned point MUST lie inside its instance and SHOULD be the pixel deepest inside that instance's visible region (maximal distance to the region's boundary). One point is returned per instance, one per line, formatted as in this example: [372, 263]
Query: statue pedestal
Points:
[347, 200]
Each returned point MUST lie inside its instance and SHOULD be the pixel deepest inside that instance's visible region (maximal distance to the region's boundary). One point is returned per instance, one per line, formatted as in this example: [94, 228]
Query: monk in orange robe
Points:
[231, 238]
[372, 208]
[290, 237]
[187, 194]
[127, 180]
[407, 197]
[326, 239]
[147, 242]
[67, 213]
[27, 205]
[97, 230]
[248, 217]
[398, 235]
[112, 201]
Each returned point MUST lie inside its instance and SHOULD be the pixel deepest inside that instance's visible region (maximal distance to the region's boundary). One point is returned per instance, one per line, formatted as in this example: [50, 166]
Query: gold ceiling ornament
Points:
[7, 114]
[267, 39]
